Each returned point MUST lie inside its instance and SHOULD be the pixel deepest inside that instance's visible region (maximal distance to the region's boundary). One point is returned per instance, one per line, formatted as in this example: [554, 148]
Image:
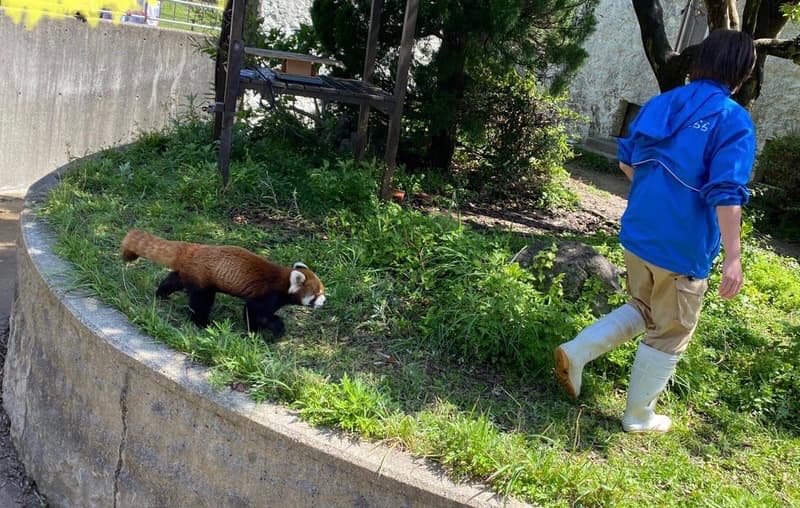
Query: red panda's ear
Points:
[296, 279]
[299, 265]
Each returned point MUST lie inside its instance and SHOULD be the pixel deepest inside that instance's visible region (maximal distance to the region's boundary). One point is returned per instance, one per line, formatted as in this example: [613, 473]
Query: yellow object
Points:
[30, 12]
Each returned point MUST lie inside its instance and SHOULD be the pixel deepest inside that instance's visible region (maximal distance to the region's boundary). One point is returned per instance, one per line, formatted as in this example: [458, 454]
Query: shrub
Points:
[778, 195]
[517, 141]
[344, 185]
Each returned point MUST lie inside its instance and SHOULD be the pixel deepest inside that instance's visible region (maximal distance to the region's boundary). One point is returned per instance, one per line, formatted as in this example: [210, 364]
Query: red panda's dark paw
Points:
[198, 319]
[261, 324]
[275, 326]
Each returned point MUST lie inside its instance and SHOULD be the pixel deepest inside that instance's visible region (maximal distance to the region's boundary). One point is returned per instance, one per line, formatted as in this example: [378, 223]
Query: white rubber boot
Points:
[620, 325]
[649, 376]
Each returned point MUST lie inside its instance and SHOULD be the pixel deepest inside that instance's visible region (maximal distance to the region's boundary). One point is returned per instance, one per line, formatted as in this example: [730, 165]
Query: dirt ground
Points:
[603, 197]
[602, 202]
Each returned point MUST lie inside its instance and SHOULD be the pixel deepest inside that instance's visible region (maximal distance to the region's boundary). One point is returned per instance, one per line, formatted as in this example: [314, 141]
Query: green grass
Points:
[586, 159]
[429, 341]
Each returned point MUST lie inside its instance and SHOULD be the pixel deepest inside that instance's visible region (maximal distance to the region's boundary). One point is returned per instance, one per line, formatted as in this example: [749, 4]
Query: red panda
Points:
[204, 270]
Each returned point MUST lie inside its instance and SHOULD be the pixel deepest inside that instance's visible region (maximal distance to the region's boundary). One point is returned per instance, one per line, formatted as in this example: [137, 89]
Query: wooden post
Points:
[369, 67]
[401, 82]
[220, 76]
[235, 58]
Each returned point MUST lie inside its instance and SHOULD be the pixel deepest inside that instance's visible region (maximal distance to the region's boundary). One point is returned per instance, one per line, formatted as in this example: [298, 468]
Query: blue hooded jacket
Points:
[693, 149]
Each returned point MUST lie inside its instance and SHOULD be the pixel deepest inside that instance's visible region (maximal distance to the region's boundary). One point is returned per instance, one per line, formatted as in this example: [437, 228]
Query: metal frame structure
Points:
[236, 79]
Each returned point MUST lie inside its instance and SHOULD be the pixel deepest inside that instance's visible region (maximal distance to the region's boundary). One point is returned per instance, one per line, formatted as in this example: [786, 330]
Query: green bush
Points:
[777, 196]
[344, 185]
[516, 140]
[779, 163]
[465, 297]
[474, 40]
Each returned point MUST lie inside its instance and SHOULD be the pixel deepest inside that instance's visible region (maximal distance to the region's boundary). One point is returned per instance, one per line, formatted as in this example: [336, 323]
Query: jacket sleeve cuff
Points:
[624, 151]
[726, 195]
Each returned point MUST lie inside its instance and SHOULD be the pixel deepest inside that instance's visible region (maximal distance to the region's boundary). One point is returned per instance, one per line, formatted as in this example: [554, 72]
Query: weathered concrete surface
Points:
[617, 69]
[68, 89]
[103, 416]
[16, 489]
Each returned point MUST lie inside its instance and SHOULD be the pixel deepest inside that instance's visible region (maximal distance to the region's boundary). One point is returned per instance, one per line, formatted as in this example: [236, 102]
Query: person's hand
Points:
[732, 277]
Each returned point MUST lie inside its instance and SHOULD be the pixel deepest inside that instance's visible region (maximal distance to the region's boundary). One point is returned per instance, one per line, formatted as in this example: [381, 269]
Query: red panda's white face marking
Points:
[307, 286]
[315, 301]
[296, 279]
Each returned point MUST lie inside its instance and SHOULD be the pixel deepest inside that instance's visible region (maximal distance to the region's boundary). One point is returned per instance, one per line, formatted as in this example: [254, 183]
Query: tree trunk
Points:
[450, 93]
[219, 68]
[443, 146]
[768, 23]
[762, 19]
[669, 67]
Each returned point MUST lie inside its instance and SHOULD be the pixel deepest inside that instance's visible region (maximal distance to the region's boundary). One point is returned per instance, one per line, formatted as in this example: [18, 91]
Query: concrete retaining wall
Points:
[103, 416]
[68, 89]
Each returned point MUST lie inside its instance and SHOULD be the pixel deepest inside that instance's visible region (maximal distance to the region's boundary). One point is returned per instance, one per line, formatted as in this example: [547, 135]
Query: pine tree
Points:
[474, 37]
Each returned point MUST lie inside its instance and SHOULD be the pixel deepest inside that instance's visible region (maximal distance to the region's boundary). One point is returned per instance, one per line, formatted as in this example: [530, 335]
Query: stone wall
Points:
[618, 70]
[285, 14]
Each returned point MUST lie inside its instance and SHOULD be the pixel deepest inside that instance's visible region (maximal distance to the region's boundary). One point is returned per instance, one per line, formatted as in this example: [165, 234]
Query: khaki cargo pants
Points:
[669, 302]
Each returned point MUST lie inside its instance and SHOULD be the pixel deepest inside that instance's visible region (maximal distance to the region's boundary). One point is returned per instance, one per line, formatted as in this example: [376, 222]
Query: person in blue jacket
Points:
[689, 154]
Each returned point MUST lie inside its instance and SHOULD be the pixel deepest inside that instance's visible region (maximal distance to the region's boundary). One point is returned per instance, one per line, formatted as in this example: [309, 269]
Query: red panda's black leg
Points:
[169, 285]
[259, 316]
[276, 326]
[200, 302]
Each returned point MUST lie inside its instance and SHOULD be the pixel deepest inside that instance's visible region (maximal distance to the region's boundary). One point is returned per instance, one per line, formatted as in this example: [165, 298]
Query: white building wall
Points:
[617, 69]
[777, 111]
[285, 14]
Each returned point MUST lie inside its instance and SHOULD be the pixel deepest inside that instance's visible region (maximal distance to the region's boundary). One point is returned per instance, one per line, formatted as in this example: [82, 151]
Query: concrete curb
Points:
[104, 416]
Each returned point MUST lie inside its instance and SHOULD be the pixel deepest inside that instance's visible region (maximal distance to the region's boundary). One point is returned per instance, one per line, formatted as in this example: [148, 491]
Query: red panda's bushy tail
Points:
[139, 243]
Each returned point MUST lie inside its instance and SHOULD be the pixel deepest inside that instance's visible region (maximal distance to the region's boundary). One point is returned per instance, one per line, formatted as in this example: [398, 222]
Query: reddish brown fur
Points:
[228, 269]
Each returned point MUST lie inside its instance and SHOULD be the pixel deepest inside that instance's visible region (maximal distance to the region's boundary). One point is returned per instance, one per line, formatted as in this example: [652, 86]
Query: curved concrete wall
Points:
[68, 89]
[104, 416]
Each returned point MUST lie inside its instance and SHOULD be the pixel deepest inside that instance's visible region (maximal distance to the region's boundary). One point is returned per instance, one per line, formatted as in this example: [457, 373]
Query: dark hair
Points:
[727, 56]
